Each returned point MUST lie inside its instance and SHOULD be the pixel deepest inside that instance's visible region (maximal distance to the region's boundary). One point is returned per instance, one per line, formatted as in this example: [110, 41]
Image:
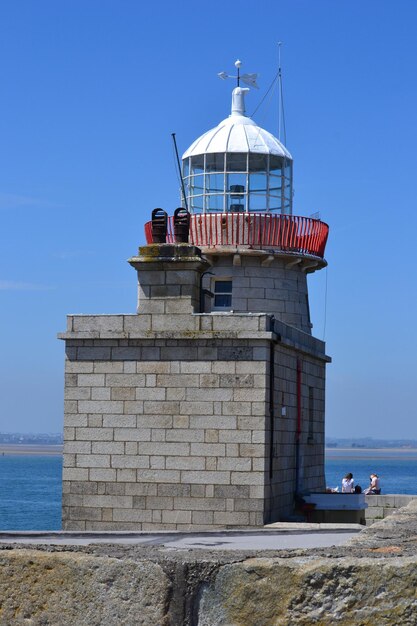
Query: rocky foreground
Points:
[371, 580]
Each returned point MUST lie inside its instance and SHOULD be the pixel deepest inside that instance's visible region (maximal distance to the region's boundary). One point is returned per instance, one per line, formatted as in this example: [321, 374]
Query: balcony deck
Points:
[262, 231]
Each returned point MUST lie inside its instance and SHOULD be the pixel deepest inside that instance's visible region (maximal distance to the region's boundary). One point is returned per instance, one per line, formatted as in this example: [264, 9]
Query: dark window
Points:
[223, 294]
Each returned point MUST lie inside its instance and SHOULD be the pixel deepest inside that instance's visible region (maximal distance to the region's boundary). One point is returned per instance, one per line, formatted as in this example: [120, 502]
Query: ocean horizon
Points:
[31, 481]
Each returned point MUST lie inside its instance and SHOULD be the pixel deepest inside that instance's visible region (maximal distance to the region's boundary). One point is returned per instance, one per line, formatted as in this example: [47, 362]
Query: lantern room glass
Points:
[238, 182]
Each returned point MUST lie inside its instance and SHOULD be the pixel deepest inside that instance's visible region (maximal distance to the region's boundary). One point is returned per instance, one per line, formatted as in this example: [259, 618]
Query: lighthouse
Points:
[238, 188]
[205, 408]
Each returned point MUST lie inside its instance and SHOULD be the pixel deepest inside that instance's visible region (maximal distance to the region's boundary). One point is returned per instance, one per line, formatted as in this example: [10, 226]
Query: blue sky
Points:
[91, 92]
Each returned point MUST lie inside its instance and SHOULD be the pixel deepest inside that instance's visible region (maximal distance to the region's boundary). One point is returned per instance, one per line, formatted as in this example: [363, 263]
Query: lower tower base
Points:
[216, 426]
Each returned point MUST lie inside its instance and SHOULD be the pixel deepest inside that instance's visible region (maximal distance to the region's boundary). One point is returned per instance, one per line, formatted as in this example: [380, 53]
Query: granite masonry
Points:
[177, 419]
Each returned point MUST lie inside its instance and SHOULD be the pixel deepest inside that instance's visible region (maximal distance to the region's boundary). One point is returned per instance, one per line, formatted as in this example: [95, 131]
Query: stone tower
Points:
[205, 409]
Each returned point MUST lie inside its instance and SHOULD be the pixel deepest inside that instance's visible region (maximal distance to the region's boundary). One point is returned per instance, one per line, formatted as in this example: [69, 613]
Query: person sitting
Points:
[374, 487]
[347, 484]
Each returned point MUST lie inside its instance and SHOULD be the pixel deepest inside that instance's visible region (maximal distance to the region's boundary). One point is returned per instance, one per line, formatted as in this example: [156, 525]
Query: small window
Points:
[222, 294]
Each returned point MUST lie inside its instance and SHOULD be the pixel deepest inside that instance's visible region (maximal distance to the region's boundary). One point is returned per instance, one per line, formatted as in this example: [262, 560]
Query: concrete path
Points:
[271, 538]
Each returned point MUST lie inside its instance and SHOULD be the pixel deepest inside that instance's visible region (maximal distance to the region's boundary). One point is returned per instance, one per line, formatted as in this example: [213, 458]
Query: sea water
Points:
[30, 486]
[30, 492]
[397, 469]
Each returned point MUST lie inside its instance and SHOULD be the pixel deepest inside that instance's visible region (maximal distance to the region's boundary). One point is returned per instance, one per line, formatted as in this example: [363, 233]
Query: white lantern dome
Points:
[238, 167]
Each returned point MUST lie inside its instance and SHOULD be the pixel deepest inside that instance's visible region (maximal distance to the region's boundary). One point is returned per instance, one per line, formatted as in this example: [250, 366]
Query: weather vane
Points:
[248, 79]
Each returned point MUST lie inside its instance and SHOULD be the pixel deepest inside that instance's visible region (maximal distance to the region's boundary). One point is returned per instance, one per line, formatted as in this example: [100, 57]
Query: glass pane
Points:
[236, 197]
[197, 205]
[196, 184]
[214, 182]
[257, 202]
[236, 162]
[275, 164]
[185, 167]
[215, 162]
[214, 202]
[222, 286]
[258, 162]
[236, 184]
[257, 182]
[274, 205]
[223, 300]
[233, 206]
[197, 164]
[287, 191]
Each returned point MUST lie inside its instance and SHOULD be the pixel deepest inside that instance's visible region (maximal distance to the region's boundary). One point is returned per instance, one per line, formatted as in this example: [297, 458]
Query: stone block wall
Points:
[169, 282]
[172, 429]
[176, 419]
[264, 283]
[380, 507]
[311, 462]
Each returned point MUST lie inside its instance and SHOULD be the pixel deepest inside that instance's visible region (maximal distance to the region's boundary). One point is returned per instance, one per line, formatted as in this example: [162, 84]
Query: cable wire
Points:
[325, 308]
[277, 79]
[266, 94]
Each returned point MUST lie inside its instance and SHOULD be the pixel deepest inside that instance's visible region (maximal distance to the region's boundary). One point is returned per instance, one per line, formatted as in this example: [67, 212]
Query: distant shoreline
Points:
[350, 449]
[370, 453]
[7, 449]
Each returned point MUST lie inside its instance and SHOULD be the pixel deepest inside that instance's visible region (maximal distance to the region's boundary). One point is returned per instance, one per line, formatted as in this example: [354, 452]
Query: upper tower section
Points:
[238, 167]
[238, 188]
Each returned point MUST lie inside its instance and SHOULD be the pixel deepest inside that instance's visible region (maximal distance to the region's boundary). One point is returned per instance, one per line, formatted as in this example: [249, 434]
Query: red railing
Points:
[290, 233]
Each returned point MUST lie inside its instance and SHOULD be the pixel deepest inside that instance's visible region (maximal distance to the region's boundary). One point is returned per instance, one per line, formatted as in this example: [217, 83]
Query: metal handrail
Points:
[289, 233]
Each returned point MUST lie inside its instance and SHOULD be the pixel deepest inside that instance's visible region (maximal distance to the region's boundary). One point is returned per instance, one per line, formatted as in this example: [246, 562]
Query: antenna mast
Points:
[281, 112]
[279, 89]
[179, 170]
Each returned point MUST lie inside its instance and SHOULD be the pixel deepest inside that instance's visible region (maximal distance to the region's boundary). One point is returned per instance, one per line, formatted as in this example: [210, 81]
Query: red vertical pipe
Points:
[298, 432]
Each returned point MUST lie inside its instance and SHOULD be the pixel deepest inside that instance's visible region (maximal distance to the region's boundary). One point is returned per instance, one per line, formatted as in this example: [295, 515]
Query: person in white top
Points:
[347, 484]
[375, 487]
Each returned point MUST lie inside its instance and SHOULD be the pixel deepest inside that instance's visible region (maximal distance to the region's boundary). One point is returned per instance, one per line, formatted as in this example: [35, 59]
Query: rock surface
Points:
[276, 592]
[370, 580]
[78, 589]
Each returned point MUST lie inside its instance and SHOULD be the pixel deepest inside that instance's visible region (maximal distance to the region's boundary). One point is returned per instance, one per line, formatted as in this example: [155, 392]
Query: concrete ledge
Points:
[173, 334]
[382, 506]
[370, 580]
[205, 326]
[337, 501]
